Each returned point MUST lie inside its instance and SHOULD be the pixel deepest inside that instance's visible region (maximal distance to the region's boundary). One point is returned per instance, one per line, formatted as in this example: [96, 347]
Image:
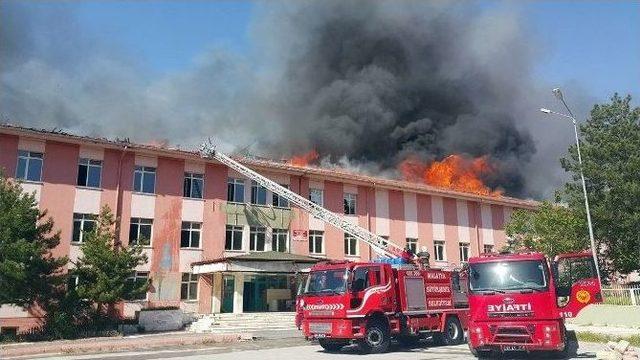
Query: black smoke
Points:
[376, 81]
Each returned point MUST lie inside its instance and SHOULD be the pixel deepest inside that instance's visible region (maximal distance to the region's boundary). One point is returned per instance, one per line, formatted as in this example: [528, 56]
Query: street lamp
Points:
[559, 96]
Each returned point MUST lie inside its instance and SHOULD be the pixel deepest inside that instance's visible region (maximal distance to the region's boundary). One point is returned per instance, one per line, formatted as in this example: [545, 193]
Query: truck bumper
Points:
[333, 328]
[517, 335]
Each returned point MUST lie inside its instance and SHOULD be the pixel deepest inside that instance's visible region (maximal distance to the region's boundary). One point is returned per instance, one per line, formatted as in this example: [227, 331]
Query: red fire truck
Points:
[518, 302]
[371, 303]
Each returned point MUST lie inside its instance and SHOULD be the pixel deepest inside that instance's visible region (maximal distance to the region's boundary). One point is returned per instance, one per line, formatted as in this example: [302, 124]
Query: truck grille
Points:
[320, 328]
[513, 335]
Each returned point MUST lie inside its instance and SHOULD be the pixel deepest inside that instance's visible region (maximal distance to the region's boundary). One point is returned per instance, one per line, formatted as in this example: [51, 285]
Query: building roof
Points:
[339, 175]
[262, 256]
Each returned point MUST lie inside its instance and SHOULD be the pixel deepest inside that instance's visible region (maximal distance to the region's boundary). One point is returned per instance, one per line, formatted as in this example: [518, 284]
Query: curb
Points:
[94, 345]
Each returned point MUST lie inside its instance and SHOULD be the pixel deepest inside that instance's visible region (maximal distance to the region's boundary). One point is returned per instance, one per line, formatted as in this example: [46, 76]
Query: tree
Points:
[552, 230]
[105, 268]
[29, 273]
[610, 145]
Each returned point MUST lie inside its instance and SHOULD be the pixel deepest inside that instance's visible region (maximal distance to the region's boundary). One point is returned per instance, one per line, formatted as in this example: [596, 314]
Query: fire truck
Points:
[371, 303]
[395, 296]
[518, 302]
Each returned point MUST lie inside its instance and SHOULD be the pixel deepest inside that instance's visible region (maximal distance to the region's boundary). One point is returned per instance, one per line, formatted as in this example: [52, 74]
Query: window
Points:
[189, 287]
[137, 279]
[190, 235]
[144, 179]
[235, 190]
[258, 194]
[350, 204]
[316, 242]
[412, 244]
[257, 236]
[72, 282]
[193, 185]
[316, 196]
[464, 252]
[9, 332]
[233, 239]
[488, 249]
[82, 224]
[89, 173]
[29, 166]
[280, 240]
[140, 231]
[350, 245]
[279, 201]
[439, 251]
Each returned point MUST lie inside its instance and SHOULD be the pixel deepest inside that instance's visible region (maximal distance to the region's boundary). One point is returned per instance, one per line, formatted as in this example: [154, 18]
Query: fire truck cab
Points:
[518, 302]
[371, 303]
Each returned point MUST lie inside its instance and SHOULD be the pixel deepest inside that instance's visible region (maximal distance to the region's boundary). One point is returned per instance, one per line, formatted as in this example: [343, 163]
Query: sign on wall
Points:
[300, 235]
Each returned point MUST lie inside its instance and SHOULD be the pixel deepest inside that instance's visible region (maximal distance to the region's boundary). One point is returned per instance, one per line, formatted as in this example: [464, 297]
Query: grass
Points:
[589, 336]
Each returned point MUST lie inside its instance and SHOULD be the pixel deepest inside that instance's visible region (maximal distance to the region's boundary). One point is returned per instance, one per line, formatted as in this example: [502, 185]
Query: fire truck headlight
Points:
[301, 302]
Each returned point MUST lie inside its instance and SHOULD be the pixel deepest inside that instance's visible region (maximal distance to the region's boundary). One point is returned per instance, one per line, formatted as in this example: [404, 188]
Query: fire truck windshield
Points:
[323, 282]
[528, 275]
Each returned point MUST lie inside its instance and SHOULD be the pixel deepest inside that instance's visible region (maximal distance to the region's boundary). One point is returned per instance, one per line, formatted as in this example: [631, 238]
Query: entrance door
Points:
[228, 287]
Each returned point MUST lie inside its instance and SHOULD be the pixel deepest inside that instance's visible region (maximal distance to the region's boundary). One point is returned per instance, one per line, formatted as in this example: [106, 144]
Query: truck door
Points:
[576, 283]
[364, 277]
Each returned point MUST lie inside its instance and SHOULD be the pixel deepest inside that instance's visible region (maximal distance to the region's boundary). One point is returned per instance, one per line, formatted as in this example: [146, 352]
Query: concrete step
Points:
[250, 322]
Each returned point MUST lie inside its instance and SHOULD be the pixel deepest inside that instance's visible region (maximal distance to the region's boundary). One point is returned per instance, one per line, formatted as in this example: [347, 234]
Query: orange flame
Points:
[453, 172]
[304, 159]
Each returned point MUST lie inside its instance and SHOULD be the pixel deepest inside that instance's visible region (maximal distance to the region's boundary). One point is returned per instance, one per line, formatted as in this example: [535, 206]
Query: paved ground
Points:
[297, 348]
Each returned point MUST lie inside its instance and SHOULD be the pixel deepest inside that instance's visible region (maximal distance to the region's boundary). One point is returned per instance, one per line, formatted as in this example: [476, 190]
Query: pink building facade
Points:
[248, 245]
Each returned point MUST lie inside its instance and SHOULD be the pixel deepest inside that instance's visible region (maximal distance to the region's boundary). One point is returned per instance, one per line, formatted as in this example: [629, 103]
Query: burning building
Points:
[249, 245]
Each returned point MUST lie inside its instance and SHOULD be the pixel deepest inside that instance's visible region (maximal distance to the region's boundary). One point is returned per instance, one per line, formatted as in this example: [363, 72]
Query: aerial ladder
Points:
[381, 246]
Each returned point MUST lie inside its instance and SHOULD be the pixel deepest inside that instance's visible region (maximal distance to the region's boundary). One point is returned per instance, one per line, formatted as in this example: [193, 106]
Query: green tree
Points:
[105, 267]
[552, 230]
[29, 273]
[610, 145]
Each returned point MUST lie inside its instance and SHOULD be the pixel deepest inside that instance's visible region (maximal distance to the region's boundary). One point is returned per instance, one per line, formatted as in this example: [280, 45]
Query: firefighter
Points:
[424, 256]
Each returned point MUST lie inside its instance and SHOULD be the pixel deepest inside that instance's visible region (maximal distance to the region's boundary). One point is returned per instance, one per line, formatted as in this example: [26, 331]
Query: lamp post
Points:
[560, 97]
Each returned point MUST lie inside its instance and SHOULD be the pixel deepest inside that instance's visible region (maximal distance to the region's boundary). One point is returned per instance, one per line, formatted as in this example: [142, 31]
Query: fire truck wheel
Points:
[331, 345]
[452, 334]
[376, 339]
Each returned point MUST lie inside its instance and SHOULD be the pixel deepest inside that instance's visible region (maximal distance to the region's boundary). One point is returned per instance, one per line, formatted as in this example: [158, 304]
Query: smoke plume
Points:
[365, 83]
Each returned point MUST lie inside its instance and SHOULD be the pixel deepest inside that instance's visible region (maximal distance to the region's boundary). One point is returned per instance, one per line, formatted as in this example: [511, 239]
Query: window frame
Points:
[82, 218]
[233, 183]
[191, 227]
[275, 240]
[192, 279]
[28, 156]
[278, 201]
[140, 222]
[349, 199]
[257, 189]
[442, 244]
[485, 246]
[234, 229]
[467, 247]
[348, 241]
[314, 235]
[144, 172]
[319, 192]
[412, 243]
[254, 231]
[189, 179]
[135, 276]
[88, 164]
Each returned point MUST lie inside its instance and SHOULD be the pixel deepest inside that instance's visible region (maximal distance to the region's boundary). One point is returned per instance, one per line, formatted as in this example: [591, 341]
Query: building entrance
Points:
[268, 293]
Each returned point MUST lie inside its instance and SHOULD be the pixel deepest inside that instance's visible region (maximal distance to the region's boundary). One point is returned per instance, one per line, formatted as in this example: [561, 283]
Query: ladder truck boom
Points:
[378, 244]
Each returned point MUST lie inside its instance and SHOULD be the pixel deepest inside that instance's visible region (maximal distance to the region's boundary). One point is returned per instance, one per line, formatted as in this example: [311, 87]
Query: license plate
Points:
[513, 348]
[320, 328]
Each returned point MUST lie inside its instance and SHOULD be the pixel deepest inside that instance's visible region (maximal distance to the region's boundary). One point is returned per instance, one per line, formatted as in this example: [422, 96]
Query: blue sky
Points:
[595, 44]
